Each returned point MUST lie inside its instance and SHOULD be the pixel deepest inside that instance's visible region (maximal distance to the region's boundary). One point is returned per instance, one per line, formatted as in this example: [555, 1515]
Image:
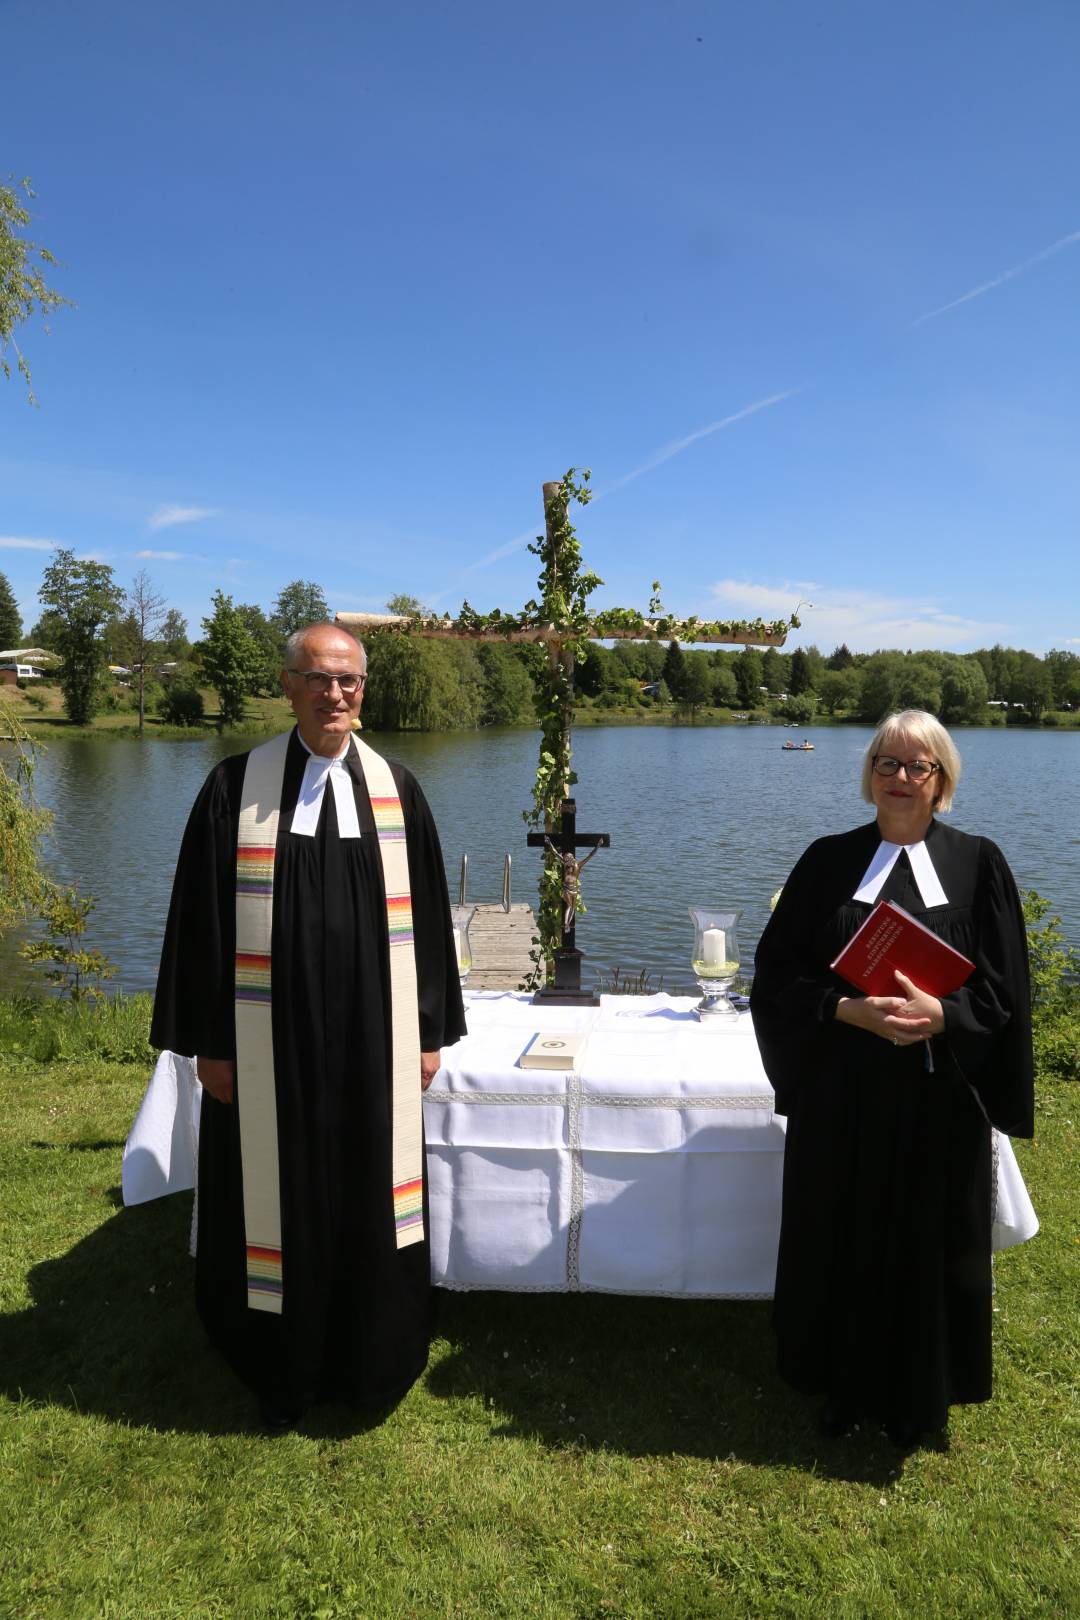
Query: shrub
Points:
[181, 704]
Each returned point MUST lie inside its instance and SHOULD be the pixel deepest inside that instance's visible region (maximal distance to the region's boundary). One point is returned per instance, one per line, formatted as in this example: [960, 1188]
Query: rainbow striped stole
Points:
[256, 1097]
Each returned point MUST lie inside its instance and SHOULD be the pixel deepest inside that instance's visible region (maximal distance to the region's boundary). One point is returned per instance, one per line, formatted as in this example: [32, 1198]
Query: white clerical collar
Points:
[922, 867]
[305, 817]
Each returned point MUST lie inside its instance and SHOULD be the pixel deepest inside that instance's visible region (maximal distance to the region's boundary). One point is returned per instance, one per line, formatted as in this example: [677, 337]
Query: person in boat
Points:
[883, 1284]
[309, 967]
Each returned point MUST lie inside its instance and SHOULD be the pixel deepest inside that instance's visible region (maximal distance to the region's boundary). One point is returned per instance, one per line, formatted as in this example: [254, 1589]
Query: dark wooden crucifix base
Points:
[567, 990]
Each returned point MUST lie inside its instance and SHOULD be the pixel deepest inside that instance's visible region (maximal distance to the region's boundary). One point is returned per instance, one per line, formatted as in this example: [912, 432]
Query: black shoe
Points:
[904, 1434]
[279, 1416]
[836, 1420]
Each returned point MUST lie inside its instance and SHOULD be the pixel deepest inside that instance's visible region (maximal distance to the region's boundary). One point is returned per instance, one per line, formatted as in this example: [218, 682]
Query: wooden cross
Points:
[566, 990]
[559, 635]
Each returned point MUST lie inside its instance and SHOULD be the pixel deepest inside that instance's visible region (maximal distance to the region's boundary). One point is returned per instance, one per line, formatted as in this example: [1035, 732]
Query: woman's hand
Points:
[902, 1019]
[430, 1064]
[217, 1076]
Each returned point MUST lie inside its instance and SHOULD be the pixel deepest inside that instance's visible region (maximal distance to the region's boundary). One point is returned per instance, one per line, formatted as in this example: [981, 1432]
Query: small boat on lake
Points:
[798, 748]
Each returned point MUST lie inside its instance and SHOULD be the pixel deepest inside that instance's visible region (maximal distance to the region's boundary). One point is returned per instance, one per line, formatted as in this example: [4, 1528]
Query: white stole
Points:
[256, 1097]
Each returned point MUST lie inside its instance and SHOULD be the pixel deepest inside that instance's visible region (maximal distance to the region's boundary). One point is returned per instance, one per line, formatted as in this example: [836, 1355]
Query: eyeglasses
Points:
[917, 770]
[317, 680]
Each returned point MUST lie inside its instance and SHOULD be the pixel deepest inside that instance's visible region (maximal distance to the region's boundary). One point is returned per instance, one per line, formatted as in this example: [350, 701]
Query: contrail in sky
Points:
[657, 459]
[677, 446]
[999, 281]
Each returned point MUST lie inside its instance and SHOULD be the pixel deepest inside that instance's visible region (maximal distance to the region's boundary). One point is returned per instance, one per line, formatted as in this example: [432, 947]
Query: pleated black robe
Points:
[883, 1286]
[356, 1319]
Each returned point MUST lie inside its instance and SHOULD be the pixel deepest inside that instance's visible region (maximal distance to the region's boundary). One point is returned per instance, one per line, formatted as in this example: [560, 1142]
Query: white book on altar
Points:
[554, 1049]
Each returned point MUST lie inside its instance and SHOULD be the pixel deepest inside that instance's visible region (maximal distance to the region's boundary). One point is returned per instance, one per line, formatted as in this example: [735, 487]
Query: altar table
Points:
[654, 1169]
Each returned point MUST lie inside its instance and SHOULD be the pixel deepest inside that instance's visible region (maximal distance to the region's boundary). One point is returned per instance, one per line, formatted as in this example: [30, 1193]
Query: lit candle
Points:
[713, 947]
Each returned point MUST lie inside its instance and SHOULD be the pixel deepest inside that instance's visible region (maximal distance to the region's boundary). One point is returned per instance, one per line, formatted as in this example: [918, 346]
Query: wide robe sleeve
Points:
[438, 983]
[193, 1005]
[988, 1020]
[793, 998]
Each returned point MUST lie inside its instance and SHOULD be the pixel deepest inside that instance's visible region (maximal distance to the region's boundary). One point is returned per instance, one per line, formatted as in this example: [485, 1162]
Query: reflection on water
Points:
[697, 816]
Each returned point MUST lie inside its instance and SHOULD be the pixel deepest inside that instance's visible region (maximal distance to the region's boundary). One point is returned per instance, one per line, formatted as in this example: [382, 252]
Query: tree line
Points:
[90, 622]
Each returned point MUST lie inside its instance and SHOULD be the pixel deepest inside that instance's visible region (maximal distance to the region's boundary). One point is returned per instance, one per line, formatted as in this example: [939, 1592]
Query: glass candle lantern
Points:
[716, 959]
[460, 918]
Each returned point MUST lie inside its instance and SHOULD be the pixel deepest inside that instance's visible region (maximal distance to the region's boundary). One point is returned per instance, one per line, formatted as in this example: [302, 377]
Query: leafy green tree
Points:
[774, 670]
[1064, 668]
[10, 620]
[180, 703]
[410, 605]
[270, 650]
[841, 657]
[82, 596]
[880, 684]
[299, 603]
[674, 669]
[919, 685]
[23, 290]
[963, 691]
[800, 678]
[417, 685]
[231, 658]
[74, 969]
[748, 677]
[174, 636]
[22, 823]
[724, 693]
[508, 688]
[1004, 670]
[799, 707]
[1032, 685]
[839, 689]
[697, 683]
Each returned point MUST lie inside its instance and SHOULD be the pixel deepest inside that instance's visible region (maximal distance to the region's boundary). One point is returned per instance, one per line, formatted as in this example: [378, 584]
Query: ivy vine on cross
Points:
[561, 619]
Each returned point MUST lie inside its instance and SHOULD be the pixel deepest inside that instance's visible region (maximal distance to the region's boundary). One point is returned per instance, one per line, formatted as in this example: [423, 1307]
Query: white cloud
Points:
[166, 517]
[999, 281]
[14, 542]
[864, 619]
[162, 556]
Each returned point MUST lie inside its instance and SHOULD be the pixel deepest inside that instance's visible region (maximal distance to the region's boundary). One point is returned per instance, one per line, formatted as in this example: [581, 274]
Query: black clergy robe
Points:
[883, 1286]
[356, 1318]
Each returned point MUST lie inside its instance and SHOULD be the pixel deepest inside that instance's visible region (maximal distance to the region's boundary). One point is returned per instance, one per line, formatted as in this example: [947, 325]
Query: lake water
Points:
[697, 816]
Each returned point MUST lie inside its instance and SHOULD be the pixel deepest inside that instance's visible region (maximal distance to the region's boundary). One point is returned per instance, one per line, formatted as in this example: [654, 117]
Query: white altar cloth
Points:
[654, 1170]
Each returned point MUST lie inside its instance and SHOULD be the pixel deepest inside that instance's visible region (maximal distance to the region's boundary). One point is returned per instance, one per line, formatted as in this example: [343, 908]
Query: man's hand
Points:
[430, 1064]
[217, 1076]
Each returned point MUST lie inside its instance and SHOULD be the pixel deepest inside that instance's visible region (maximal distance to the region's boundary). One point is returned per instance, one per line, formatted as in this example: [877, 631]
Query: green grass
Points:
[564, 1456]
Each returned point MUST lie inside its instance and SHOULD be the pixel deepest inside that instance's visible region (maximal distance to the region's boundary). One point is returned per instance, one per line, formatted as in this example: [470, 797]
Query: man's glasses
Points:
[317, 680]
[917, 770]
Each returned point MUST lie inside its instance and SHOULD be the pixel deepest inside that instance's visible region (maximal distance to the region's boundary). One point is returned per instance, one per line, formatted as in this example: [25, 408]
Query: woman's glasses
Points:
[317, 680]
[916, 770]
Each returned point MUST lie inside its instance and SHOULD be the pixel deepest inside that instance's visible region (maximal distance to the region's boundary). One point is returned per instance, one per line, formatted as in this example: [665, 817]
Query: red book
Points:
[891, 938]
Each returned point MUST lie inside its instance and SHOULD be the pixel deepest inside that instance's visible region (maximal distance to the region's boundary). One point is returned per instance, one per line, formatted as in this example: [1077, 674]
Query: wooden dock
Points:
[501, 941]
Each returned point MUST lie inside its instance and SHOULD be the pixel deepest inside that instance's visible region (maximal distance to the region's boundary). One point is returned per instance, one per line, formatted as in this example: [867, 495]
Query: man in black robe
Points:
[357, 1312]
[884, 1288]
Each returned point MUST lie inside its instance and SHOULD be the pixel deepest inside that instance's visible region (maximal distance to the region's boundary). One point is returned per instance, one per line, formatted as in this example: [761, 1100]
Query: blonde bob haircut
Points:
[931, 735]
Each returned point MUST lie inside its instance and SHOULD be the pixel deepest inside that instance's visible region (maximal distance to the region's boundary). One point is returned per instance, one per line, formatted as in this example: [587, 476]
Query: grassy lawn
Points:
[564, 1456]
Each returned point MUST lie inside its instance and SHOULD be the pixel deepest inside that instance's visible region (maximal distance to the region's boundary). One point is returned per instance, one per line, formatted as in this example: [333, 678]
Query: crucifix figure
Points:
[564, 845]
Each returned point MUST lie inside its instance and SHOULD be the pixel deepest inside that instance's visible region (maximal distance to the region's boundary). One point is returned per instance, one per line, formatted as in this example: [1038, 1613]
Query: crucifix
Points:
[562, 622]
[566, 989]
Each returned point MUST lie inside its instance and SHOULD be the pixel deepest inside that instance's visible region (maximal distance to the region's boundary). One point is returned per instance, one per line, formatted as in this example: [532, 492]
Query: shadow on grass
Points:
[112, 1329]
[644, 1377]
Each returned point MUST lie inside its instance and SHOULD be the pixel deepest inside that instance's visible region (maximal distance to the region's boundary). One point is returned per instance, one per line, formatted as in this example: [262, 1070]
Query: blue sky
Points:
[799, 284]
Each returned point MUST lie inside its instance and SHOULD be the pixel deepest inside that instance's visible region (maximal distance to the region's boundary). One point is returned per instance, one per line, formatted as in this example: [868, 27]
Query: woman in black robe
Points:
[883, 1285]
[357, 1315]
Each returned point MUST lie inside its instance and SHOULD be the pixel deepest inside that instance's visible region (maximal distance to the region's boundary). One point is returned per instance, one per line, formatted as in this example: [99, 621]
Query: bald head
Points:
[308, 646]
